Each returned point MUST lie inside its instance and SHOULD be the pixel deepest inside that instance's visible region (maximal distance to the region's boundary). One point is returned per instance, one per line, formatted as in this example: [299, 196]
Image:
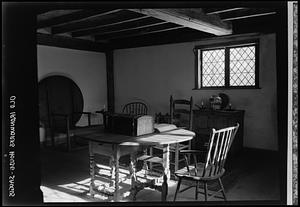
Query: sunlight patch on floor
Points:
[52, 195]
[78, 191]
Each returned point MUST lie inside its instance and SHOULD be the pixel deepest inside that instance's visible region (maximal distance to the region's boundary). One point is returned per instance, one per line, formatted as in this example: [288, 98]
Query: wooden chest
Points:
[204, 120]
[132, 125]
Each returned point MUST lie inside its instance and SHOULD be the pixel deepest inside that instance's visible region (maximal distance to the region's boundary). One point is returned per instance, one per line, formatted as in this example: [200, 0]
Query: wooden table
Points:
[116, 145]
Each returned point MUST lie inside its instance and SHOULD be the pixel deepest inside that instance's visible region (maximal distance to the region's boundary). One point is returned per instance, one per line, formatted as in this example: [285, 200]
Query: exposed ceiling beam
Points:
[53, 14]
[138, 32]
[94, 30]
[224, 10]
[141, 23]
[249, 16]
[135, 28]
[68, 27]
[192, 18]
[71, 17]
[43, 10]
[166, 37]
[72, 43]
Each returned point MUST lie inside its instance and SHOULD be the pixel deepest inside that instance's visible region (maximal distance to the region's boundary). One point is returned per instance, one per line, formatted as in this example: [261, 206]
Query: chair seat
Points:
[183, 173]
[149, 158]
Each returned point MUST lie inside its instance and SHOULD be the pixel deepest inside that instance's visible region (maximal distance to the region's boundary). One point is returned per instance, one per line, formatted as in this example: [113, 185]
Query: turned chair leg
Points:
[223, 191]
[146, 169]
[112, 171]
[205, 190]
[176, 157]
[150, 153]
[177, 188]
[196, 191]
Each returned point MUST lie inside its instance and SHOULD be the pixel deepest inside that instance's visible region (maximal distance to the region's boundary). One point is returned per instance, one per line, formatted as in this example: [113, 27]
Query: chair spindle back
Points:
[219, 146]
[135, 108]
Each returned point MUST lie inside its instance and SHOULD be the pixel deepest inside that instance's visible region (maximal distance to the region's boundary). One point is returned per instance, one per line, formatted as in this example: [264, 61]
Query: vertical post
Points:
[21, 144]
[292, 146]
[110, 80]
[282, 92]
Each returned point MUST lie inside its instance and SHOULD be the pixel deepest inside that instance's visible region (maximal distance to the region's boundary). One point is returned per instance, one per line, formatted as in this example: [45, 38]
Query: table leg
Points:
[166, 176]
[112, 171]
[92, 169]
[132, 169]
[116, 152]
[150, 153]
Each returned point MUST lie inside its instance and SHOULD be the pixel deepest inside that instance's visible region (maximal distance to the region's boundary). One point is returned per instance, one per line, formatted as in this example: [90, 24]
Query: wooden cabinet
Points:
[204, 120]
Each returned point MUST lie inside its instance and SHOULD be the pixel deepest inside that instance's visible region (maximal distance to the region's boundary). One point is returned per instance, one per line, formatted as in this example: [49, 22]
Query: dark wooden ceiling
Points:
[114, 28]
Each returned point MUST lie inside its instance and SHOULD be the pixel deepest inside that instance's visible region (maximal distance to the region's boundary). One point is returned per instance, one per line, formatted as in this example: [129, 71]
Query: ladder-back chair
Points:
[181, 115]
[213, 167]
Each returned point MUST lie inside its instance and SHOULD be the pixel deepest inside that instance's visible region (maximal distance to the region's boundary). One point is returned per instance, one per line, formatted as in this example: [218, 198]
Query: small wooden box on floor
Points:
[132, 125]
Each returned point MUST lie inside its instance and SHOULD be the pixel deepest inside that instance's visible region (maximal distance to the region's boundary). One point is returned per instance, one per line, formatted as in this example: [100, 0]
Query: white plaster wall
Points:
[86, 69]
[153, 73]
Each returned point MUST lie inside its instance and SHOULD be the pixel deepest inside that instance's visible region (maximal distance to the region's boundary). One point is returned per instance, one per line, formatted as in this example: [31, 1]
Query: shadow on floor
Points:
[65, 178]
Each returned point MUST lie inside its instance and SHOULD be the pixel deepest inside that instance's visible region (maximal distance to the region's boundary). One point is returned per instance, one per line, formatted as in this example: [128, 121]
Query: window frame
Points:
[226, 46]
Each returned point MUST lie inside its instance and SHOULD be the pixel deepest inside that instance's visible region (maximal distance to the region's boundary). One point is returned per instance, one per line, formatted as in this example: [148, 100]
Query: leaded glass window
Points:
[213, 67]
[242, 66]
[230, 66]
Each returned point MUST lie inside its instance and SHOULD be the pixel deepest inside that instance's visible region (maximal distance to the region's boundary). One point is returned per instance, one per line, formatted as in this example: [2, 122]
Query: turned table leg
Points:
[116, 152]
[112, 171]
[132, 169]
[92, 169]
[166, 176]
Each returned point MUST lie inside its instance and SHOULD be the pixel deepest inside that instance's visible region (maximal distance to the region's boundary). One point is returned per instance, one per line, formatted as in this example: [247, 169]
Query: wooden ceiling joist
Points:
[248, 16]
[94, 30]
[165, 37]
[71, 17]
[224, 10]
[81, 23]
[117, 27]
[139, 31]
[52, 14]
[140, 23]
[192, 18]
[71, 43]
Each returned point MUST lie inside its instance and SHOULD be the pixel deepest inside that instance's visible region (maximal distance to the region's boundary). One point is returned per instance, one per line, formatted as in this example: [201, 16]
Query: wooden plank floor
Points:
[252, 176]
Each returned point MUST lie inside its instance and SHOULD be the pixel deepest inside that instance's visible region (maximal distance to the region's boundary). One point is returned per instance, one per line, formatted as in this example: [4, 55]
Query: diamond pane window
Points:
[242, 66]
[213, 68]
[233, 65]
